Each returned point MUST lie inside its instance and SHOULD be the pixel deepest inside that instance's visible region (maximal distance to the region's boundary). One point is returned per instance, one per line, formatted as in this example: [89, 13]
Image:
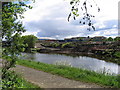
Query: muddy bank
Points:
[62, 51]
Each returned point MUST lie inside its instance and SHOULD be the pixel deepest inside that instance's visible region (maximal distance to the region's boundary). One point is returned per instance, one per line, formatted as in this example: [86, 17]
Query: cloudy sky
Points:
[48, 19]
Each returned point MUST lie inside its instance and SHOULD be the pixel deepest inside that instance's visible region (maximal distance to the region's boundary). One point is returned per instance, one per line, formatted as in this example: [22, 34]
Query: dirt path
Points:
[47, 80]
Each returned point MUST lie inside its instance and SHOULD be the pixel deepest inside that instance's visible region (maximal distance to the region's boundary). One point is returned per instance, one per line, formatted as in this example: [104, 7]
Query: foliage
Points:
[87, 17]
[12, 29]
[67, 45]
[29, 41]
[80, 38]
[55, 45]
[13, 80]
[117, 54]
[74, 73]
[110, 39]
[60, 45]
[117, 39]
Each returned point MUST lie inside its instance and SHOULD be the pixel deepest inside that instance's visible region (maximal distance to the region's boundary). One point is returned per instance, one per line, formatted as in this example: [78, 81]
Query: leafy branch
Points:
[87, 17]
[12, 28]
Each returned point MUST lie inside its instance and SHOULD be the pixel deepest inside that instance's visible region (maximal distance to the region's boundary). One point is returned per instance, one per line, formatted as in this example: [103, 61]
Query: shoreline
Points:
[69, 51]
[72, 73]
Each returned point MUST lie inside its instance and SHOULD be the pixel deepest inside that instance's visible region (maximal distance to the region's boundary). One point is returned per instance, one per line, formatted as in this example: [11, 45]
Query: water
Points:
[79, 62]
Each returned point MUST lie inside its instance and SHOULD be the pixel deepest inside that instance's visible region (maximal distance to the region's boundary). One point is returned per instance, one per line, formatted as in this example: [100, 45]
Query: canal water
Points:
[83, 62]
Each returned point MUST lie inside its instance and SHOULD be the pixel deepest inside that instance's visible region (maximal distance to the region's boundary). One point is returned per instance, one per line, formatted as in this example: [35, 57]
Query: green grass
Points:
[74, 73]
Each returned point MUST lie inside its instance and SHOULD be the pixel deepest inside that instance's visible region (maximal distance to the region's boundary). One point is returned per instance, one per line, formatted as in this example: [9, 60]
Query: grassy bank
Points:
[74, 73]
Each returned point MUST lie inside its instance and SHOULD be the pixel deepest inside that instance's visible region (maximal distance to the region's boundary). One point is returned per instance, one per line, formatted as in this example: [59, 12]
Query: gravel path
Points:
[47, 80]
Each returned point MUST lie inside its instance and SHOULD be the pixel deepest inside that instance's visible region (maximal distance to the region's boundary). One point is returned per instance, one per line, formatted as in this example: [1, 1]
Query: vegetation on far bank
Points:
[104, 49]
[74, 73]
[117, 54]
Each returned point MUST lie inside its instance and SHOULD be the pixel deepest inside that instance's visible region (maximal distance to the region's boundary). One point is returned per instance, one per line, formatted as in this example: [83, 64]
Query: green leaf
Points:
[71, 2]
[74, 13]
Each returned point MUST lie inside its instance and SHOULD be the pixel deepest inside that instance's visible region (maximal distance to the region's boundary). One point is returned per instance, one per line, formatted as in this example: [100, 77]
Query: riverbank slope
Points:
[100, 54]
[47, 80]
[74, 73]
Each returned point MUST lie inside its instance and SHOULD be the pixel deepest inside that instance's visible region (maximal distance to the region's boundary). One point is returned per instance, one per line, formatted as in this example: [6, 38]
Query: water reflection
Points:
[79, 61]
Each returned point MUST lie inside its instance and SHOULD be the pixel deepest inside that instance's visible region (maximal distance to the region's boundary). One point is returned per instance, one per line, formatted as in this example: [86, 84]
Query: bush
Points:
[67, 45]
[13, 80]
[117, 54]
[55, 45]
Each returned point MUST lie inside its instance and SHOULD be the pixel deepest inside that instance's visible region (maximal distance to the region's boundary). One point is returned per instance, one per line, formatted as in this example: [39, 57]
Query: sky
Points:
[48, 19]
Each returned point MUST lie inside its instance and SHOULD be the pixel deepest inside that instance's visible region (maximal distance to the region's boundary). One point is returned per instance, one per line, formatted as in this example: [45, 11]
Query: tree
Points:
[117, 39]
[29, 41]
[87, 17]
[12, 28]
[110, 39]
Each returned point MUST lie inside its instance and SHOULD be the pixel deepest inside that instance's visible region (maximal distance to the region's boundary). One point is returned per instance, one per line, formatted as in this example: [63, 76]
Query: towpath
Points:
[47, 80]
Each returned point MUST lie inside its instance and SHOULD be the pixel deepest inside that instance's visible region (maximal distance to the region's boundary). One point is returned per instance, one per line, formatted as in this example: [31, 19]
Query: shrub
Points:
[117, 54]
[67, 45]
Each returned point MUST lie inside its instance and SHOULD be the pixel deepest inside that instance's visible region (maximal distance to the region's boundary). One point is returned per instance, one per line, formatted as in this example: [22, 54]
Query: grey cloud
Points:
[62, 29]
[54, 27]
